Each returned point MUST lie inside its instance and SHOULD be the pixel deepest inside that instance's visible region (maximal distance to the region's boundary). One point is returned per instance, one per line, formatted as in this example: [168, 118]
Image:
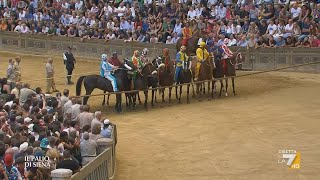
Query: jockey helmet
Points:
[136, 53]
[165, 51]
[202, 44]
[104, 57]
[183, 48]
[226, 41]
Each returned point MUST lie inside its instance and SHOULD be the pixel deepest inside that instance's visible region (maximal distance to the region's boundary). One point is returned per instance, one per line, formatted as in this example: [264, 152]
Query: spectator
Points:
[88, 149]
[85, 117]
[97, 119]
[106, 132]
[68, 162]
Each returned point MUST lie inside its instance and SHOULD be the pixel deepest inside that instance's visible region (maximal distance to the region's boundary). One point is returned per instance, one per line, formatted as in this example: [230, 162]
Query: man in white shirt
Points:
[18, 27]
[121, 10]
[272, 28]
[295, 11]
[222, 11]
[198, 11]
[178, 28]
[78, 5]
[124, 25]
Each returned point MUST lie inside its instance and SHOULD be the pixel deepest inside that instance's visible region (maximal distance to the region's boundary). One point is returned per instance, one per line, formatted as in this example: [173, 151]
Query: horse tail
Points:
[78, 86]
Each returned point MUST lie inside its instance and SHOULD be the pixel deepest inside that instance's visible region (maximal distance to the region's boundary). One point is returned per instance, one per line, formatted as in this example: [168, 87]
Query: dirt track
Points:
[227, 138]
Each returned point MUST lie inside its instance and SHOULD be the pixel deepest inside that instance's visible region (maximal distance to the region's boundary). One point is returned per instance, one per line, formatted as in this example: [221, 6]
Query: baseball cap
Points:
[23, 146]
[44, 143]
[106, 121]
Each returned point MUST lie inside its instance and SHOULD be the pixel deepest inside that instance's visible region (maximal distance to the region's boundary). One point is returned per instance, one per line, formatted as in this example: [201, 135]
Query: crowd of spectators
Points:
[33, 124]
[245, 22]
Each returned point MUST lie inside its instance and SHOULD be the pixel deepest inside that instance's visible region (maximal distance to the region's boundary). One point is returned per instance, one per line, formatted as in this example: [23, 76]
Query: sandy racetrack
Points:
[227, 138]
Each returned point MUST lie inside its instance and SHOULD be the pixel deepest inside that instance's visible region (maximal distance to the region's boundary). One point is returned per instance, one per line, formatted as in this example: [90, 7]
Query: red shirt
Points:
[315, 43]
[114, 61]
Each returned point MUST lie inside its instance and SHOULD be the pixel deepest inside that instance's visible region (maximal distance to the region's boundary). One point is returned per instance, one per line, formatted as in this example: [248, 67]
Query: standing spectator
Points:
[88, 148]
[11, 170]
[17, 69]
[222, 11]
[25, 92]
[85, 117]
[64, 98]
[16, 90]
[10, 74]
[69, 61]
[49, 76]
[68, 162]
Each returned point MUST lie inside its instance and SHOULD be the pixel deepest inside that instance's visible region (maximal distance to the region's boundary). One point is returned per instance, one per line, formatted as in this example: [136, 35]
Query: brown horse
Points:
[204, 74]
[166, 75]
[227, 69]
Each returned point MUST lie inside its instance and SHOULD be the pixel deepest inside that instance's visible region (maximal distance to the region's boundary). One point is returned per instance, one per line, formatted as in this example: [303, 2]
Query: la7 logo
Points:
[290, 158]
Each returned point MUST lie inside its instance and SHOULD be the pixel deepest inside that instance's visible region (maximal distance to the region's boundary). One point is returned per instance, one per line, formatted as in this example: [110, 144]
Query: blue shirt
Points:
[12, 173]
[105, 67]
[281, 43]
[106, 133]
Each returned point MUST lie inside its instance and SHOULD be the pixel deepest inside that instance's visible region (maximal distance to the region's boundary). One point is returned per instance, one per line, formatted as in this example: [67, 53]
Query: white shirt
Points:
[177, 28]
[22, 15]
[222, 12]
[232, 42]
[147, 1]
[110, 25]
[24, 30]
[74, 20]
[198, 12]
[212, 2]
[121, 11]
[295, 12]
[107, 10]
[192, 14]
[79, 5]
[110, 36]
[288, 28]
[272, 28]
[18, 28]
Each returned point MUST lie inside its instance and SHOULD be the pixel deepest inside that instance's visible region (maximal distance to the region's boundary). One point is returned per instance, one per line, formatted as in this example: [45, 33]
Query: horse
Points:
[143, 80]
[192, 44]
[92, 82]
[227, 69]
[185, 76]
[205, 73]
[166, 75]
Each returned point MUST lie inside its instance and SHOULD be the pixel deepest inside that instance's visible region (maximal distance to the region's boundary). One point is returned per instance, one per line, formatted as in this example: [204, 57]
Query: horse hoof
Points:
[188, 102]
[234, 94]
[226, 95]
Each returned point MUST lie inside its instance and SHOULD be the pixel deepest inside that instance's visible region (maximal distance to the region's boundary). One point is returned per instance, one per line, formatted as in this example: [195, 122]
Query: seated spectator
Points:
[96, 132]
[106, 132]
[232, 41]
[281, 42]
[243, 41]
[290, 42]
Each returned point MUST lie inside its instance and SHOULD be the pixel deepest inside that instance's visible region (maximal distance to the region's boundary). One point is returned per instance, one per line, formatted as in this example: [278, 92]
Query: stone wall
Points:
[255, 59]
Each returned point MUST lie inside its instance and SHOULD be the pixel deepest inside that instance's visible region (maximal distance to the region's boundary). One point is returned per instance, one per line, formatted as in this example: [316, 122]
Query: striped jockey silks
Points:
[226, 52]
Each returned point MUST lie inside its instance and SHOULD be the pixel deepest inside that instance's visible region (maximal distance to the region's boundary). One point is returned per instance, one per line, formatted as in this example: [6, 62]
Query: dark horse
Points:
[226, 68]
[92, 82]
[142, 81]
[205, 73]
[166, 75]
[185, 76]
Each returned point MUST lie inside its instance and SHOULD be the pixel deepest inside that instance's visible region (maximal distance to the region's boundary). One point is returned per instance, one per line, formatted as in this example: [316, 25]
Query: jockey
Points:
[186, 34]
[136, 60]
[166, 57]
[202, 56]
[105, 71]
[180, 58]
[144, 55]
[227, 53]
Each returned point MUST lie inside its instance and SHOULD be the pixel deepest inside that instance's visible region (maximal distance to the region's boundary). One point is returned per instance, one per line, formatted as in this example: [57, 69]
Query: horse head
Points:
[150, 71]
[157, 62]
[128, 66]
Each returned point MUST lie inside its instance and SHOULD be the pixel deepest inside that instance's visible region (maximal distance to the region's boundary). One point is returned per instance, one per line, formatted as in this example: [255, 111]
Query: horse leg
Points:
[146, 99]
[152, 96]
[155, 96]
[188, 89]
[233, 87]
[134, 99]
[108, 99]
[176, 92]
[193, 94]
[118, 103]
[170, 89]
[204, 88]
[221, 87]
[226, 87]
[104, 99]
[212, 88]
[163, 95]
[180, 92]
[139, 99]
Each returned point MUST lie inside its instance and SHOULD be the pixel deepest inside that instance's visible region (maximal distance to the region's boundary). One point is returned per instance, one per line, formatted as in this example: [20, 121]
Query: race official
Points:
[17, 69]
[69, 61]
